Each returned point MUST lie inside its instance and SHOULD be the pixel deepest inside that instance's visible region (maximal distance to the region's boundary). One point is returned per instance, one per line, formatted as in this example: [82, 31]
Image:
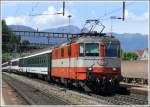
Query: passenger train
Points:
[89, 61]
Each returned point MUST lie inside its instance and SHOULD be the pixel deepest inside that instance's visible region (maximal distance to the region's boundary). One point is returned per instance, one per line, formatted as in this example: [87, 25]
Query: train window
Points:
[56, 53]
[33, 61]
[112, 50]
[118, 51]
[43, 59]
[92, 49]
[81, 50]
[62, 52]
[36, 59]
[28, 61]
[69, 50]
[40, 60]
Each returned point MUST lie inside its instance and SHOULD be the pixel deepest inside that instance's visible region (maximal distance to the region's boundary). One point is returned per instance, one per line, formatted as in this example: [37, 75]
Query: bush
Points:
[129, 56]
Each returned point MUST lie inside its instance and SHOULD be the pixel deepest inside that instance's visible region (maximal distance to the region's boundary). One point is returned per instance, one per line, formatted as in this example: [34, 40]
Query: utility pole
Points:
[123, 11]
[63, 7]
[123, 16]
[111, 25]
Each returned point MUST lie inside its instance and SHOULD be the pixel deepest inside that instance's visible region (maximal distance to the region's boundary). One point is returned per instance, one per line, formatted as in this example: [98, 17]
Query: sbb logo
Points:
[101, 61]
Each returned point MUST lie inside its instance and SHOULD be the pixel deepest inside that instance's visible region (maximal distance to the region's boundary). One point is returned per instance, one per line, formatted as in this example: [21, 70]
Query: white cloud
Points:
[134, 17]
[51, 20]
[42, 21]
[23, 20]
[47, 21]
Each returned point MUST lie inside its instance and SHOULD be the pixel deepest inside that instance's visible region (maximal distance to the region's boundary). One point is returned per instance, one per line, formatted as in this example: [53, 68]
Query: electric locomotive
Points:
[90, 61]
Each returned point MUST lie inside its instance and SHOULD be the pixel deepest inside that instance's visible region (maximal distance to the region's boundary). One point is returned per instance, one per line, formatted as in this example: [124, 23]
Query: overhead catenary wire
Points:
[57, 13]
[33, 8]
[45, 14]
[106, 16]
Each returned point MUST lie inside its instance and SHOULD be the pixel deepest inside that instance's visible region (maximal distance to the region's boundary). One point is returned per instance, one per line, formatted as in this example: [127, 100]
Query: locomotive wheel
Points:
[78, 86]
[106, 87]
[67, 83]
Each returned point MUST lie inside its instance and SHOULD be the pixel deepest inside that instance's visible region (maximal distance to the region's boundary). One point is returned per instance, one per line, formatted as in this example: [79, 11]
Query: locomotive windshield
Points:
[112, 50]
[90, 49]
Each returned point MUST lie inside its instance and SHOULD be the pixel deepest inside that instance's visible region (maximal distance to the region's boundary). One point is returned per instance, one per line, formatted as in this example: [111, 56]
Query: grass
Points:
[8, 56]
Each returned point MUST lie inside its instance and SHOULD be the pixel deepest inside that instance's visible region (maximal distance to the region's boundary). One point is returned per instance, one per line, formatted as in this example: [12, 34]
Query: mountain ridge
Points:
[138, 41]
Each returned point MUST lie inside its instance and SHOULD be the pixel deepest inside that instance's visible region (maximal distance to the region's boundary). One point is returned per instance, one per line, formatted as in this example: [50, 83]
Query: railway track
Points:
[116, 99]
[32, 95]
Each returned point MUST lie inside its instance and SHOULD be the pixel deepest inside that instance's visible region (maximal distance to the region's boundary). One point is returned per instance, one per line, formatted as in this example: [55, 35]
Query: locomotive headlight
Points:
[90, 68]
[114, 69]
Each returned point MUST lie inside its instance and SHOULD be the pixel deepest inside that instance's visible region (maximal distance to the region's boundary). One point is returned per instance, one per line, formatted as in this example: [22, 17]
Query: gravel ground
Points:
[79, 98]
[33, 95]
[10, 96]
[68, 95]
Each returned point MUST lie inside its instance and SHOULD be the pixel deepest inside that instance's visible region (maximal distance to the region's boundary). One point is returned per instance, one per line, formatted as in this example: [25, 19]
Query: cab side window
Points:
[56, 53]
[62, 52]
[69, 50]
[81, 49]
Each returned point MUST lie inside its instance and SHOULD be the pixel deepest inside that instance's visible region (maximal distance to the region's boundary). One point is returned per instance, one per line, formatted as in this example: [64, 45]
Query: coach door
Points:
[49, 55]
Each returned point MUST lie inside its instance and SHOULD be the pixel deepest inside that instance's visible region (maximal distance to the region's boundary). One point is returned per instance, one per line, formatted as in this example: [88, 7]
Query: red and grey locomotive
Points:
[89, 61]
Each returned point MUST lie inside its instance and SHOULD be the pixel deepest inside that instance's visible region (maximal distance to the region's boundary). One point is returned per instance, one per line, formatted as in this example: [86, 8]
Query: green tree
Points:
[13, 40]
[5, 37]
[129, 56]
[9, 42]
[9, 39]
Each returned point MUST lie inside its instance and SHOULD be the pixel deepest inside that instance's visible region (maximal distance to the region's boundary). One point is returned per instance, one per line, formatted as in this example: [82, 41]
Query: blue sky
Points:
[137, 14]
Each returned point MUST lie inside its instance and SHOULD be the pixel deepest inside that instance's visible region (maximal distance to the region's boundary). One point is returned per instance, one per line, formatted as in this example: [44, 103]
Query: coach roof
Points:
[40, 53]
